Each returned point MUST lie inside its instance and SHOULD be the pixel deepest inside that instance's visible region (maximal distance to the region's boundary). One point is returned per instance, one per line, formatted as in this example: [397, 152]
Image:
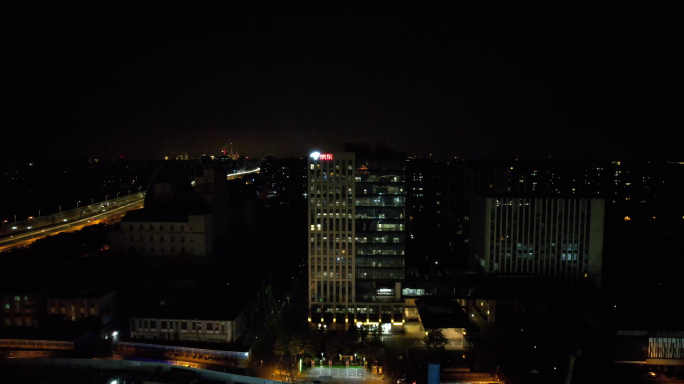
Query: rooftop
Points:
[441, 314]
[208, 302]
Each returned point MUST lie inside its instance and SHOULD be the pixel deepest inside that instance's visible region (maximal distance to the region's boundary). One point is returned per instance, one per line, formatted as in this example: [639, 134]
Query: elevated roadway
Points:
[22, 233]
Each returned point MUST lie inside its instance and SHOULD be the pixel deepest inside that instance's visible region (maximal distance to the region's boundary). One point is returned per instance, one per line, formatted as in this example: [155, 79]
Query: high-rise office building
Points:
[561, 238]
[356, 238]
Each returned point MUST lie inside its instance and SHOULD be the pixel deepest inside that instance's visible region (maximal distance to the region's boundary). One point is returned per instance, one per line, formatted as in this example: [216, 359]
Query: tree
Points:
[363, 334]
[281, 347]
[374, 345]
[332, 346]
[350, 339]
[435, 342]
[295, 347]
[310, 343]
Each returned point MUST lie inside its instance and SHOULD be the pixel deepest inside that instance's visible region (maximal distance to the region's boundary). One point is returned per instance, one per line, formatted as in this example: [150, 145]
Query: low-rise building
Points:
[190, 315]
[21, 308]
[216, 330]
[78, 305]
[165, 235]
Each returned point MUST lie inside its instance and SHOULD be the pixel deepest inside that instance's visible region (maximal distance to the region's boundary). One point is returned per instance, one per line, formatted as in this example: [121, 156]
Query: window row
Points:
[162, 250]
[28, 322]
[178, 325]
[329, 202]
[172, 239]
[160, 226]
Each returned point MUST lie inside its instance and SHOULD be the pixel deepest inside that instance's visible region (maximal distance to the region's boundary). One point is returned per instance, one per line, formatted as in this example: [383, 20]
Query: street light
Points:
[60, 209]
[106, 197]
[77, 203]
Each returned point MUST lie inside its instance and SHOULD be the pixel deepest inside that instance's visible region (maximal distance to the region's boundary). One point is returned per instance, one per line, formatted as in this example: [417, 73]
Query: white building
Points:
[165, 235]
[168, 328]
[554, 237]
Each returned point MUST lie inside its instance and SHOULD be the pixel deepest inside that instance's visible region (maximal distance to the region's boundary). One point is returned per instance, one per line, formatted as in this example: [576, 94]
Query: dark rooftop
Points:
[159, 215]
[479, 286]
[441, 313]
[88, 293]
[209, 302]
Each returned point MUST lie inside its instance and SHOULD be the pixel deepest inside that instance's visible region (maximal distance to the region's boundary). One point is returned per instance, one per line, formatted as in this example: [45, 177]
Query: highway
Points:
[20, 234]
[232, 176]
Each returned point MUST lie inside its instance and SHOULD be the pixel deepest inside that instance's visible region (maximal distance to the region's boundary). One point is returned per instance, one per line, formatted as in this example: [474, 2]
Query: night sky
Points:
[501, 79]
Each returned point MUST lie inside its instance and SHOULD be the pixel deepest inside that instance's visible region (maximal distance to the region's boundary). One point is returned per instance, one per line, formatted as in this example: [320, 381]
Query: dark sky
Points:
[146, 79]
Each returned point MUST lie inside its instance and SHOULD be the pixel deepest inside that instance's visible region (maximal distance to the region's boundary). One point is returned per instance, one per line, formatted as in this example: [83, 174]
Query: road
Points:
[23, 233]
[237, 175]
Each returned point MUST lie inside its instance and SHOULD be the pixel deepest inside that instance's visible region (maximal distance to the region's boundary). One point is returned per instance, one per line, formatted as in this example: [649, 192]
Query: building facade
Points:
[22, 308]
[554, 237]
[165, 235]
[356, 204]
[214, 331]
[77, 307]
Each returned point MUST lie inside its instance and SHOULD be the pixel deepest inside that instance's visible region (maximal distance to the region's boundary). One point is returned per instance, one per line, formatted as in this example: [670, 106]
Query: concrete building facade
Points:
[553, 237]
[214, 331]
[77, 307]
[166, 235]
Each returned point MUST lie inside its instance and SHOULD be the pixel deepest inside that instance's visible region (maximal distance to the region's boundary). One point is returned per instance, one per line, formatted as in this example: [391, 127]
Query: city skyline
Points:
[284, 79]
